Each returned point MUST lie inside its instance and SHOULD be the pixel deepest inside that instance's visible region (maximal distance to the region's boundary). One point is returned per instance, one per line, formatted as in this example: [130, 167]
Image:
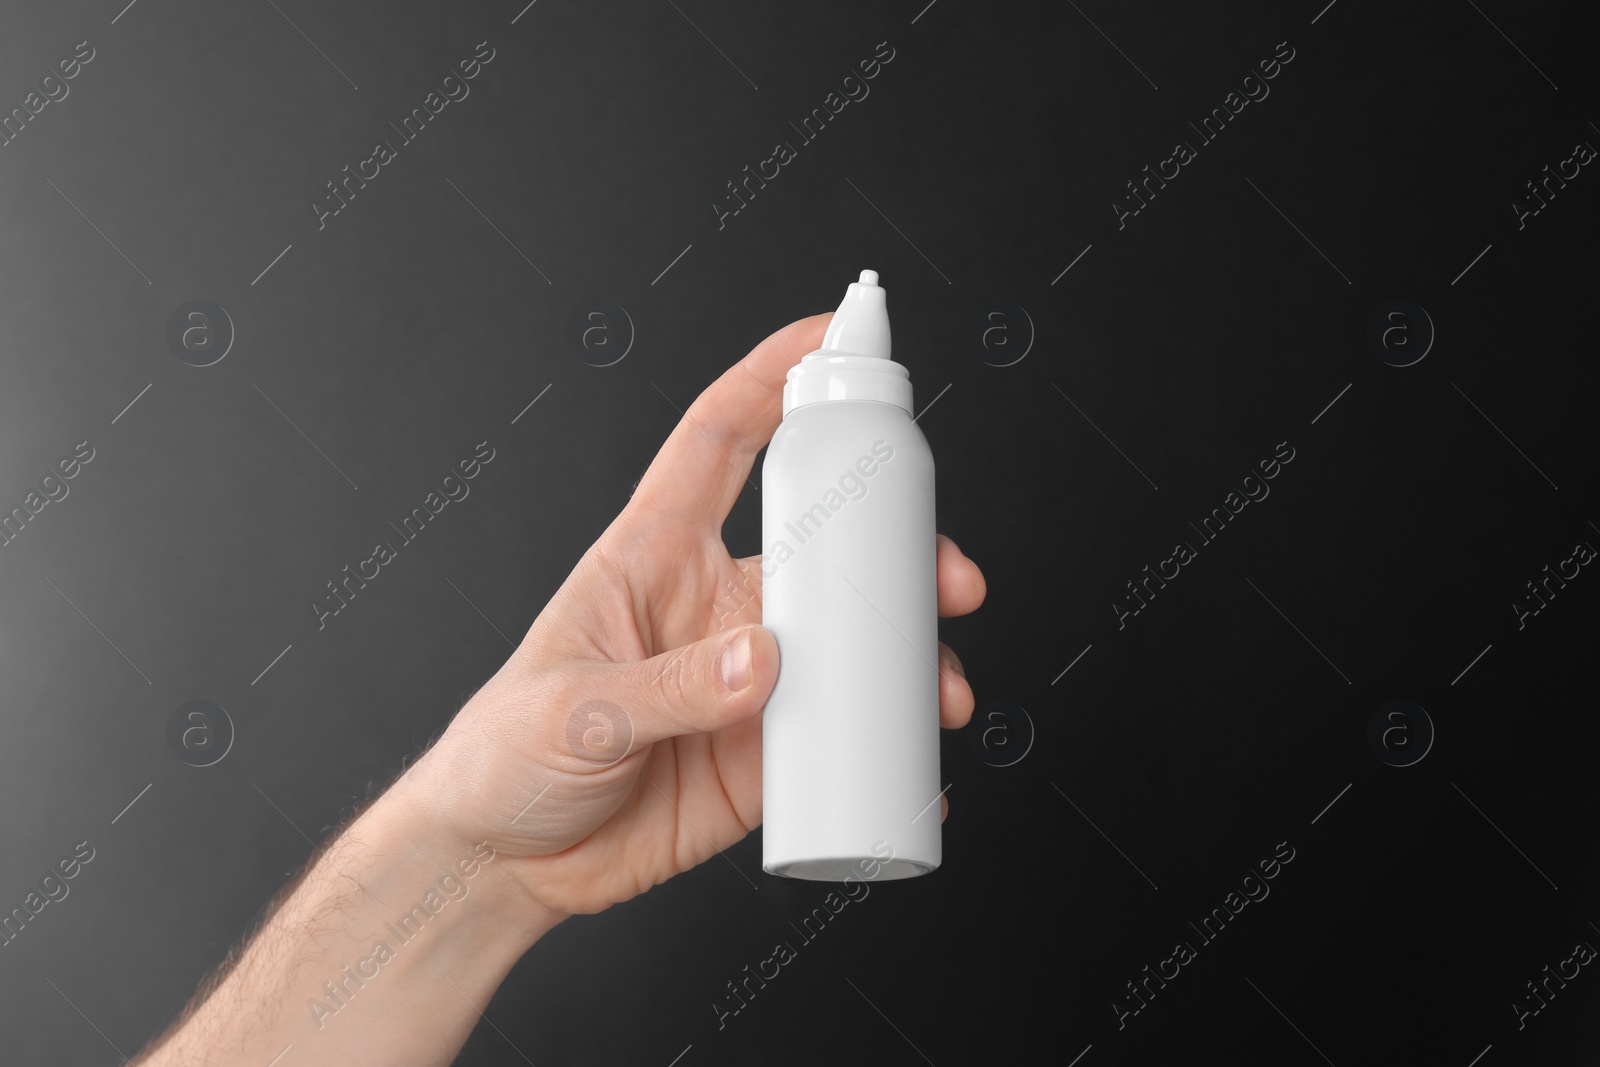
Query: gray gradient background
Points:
[1171, 756]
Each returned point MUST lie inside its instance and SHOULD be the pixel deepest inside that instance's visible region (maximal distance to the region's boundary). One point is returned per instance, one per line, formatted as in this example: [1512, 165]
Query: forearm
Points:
[385, 952]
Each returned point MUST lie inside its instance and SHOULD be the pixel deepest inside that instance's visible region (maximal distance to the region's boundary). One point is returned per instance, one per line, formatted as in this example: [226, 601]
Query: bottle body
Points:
[850, 736]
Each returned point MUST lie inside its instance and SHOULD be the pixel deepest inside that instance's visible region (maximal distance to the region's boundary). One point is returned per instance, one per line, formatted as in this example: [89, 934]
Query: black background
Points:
[1174, 754]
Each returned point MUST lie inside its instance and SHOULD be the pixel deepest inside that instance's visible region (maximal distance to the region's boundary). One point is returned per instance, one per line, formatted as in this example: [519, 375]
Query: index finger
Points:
[698, 473]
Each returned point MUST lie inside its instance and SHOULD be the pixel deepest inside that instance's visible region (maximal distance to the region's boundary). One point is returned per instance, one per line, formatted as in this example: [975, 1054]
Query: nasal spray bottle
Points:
[850, 736]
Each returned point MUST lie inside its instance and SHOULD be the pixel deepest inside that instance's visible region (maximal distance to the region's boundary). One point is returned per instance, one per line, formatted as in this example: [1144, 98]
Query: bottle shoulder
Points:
[827, 431]
[834, 416]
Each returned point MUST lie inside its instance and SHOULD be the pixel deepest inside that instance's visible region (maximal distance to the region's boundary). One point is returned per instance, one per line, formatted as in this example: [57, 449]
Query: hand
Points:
[621, 743]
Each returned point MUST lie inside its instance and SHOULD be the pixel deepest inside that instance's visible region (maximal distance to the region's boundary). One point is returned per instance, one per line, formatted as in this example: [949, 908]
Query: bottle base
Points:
[830, 869]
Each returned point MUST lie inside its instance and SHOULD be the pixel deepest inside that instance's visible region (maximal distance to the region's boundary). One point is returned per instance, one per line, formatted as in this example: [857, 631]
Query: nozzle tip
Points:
[868, 277]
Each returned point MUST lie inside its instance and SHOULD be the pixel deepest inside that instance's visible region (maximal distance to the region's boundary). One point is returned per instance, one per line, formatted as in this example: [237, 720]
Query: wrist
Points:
[383, 952]
[413, 819]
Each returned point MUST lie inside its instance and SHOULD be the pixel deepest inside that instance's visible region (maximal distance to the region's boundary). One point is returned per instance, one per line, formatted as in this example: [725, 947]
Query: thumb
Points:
[713, 683]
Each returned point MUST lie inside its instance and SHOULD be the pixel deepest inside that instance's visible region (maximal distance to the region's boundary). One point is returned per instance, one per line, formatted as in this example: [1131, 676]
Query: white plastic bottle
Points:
[850, 737]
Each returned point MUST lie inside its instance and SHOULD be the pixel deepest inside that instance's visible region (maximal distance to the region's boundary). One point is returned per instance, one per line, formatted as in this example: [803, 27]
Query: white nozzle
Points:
[861, 325]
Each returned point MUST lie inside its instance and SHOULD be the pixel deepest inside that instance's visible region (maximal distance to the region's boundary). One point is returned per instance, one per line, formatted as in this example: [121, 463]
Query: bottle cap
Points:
[861, 325]
[854, 361]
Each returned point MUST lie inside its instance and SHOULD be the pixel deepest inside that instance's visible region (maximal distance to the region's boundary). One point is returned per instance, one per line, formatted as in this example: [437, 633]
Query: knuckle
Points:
[673, 679]
[599, 731]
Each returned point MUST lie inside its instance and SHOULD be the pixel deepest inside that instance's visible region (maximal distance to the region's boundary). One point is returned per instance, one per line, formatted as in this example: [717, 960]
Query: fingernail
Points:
[955, 665]
[736, 670]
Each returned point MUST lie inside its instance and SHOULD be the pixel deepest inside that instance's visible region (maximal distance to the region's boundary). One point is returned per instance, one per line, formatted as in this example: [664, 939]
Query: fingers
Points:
[956, 700]
[961, 584]
[716, 682]
[961, 590]
[697, 474]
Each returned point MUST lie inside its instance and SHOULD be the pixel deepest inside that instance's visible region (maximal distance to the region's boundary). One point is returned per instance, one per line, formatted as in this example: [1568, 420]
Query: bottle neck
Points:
[819, 377]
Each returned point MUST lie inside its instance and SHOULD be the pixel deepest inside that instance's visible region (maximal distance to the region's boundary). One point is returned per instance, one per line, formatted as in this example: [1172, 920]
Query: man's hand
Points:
[621, 744]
